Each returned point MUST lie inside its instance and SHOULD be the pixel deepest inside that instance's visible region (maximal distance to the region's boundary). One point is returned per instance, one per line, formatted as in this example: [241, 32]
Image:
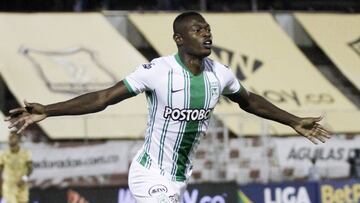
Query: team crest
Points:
[214, 88]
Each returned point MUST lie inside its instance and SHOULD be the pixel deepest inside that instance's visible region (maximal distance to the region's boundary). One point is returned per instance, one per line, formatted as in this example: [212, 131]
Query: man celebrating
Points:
[15, 166]
[182, 90]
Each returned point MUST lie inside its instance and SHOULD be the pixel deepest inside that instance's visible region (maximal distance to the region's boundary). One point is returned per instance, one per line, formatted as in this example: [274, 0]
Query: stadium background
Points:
[301, 55]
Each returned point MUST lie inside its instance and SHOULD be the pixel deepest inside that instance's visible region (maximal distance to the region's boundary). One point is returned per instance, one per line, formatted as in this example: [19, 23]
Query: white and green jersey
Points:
[180, 105]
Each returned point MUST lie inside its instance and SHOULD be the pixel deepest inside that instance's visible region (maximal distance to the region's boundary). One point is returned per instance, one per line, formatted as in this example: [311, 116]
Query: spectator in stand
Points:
[314, 174]
[354, 161]
[75, 197]
[15, 166]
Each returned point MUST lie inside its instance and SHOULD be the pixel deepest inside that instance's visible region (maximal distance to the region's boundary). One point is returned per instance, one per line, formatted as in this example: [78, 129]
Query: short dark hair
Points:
[180, 19]
[14, 134]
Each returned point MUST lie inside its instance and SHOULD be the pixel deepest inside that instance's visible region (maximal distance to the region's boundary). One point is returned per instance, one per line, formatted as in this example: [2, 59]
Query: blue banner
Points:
[294, 192]
[195, 193]
[332, 191]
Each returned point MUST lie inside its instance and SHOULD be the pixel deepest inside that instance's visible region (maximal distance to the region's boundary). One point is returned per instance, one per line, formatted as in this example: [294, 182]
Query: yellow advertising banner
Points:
[338, 35]
[267, 62]
[48, 58]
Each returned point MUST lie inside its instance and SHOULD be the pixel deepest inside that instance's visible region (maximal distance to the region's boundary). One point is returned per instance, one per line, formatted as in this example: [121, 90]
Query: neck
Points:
[193, 63]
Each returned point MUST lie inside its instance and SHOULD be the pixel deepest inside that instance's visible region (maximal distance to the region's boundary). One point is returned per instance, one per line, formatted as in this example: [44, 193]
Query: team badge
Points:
[214, 88]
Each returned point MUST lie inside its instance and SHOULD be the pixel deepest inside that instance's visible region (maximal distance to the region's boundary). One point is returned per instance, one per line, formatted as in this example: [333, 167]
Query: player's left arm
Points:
[1, 171]
[25, 178]
[28, 163]
[258, 105]
[29, 167]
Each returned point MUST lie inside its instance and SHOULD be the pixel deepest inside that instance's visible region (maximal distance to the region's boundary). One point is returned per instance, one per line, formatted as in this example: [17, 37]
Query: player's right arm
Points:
[84, 104]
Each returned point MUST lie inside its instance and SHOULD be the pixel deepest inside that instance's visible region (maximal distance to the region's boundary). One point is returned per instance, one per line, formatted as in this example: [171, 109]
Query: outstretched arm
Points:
[83, 104]
[258, 105]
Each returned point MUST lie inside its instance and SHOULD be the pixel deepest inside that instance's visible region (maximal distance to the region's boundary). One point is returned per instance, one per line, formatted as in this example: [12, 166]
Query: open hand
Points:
[312, 130]
[24, 116]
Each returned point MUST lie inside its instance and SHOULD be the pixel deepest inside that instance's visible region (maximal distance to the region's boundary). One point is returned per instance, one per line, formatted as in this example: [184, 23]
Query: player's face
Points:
[197, 37]
[13, 141]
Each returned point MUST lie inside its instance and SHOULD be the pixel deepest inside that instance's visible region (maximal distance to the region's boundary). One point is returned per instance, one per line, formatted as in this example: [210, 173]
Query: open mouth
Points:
[207, 43]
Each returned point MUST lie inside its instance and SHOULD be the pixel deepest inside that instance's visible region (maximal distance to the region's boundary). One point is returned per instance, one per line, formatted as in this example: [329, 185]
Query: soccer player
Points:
[15, 166]
[182, 91]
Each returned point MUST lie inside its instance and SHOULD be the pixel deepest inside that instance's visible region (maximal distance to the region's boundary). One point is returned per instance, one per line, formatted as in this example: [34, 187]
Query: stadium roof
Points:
[338, 35]
[48, 58]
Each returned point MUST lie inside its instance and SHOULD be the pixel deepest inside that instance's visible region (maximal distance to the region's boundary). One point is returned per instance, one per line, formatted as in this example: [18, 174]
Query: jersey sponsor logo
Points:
[156, 189]
[187, 114]
[148, 65]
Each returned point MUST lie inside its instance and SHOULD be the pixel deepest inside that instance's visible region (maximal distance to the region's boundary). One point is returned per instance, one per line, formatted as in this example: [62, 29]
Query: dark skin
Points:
[190, 37]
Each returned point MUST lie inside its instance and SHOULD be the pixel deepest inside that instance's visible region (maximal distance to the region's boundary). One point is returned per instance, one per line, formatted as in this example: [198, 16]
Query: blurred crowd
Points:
[204, 5]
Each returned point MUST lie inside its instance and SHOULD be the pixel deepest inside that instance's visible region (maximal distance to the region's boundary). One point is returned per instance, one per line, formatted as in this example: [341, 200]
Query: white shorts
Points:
[148, 186]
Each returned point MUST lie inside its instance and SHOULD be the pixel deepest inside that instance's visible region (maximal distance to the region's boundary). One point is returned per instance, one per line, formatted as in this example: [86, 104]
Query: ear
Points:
[178, 39]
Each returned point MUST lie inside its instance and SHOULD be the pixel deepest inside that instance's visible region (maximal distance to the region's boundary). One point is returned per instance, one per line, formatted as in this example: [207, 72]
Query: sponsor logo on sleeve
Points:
[148, 65]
